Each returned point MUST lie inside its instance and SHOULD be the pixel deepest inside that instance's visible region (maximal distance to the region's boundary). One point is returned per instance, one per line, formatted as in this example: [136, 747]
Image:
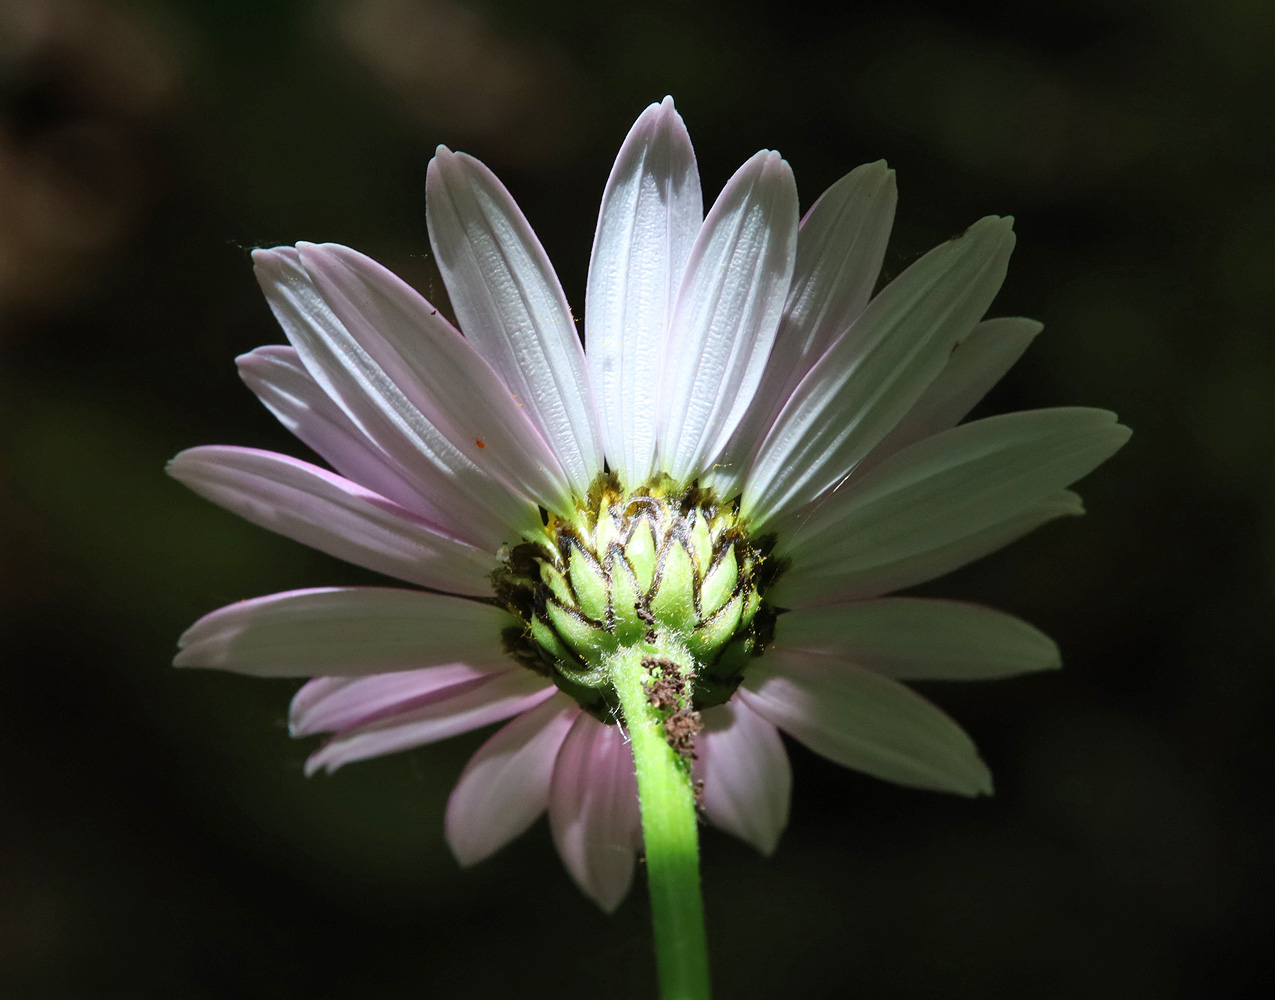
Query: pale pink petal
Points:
[593, 810]
[346, 631]
[840, 247]
[438, 371]
[505, 786]
[351, 377]
[869, 378]
[311, 693]
[651, 212]
[510, 306]
[727, 311]
[864, 721]
[746, 775]
[329, 513]
[976, 365]
[964, 482]
[336, 704]
[471, 707]
[287, 389]
[913, 638]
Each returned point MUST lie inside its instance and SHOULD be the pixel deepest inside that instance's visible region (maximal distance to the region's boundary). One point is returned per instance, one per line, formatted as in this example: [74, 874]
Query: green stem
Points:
[670, 832]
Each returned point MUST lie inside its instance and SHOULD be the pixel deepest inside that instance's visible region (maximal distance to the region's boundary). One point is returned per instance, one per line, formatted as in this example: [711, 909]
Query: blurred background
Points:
[157, 837]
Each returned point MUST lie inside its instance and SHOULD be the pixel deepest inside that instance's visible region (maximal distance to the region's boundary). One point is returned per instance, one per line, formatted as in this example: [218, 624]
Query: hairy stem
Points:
[669, 825]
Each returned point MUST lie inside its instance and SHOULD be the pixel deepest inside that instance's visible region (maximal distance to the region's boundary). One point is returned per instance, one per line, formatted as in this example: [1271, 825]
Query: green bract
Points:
[663, 567]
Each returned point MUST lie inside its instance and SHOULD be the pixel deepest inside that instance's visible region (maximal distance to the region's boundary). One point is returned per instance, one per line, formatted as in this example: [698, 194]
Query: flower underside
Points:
[665, 568]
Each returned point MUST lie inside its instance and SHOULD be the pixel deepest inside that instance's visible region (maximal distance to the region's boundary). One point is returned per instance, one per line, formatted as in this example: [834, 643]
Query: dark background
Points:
[157, 837]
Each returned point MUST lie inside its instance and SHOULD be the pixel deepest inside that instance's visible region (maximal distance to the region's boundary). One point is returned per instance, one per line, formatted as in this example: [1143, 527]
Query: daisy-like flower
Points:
[718, 489]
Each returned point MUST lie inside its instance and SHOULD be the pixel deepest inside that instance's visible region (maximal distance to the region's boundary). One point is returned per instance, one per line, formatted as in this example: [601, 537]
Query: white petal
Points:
[511, 308]
[912, 638]
[651, 212]
[326, 512]
[346, 631]
[840, 247]
[860, 580]
[438, 371]
[746, 775]
[505, 785]
[864, 721]
[279, 379]
[593, 810]
[506, 694]
[727, 312]
[964, 481]
[976, 365]
[379, 409]
[336, 704]
[869, 378]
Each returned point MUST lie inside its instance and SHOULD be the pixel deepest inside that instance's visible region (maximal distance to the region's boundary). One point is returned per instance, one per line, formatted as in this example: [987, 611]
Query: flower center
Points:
[661, 568]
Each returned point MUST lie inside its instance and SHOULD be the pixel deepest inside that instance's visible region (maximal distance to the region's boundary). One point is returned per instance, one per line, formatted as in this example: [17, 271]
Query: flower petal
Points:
[470, 707]
[976, 365]
[326, 512]
[279, 379]
[438, 371]
[510, 306]
[872, 579]
[911, 638]
[840, 247]
[505, 785]
[345, 631]
[727, 311]
[651, 212]
[864, 721]
[357, 384]
[746, 775]
[593, 810]
[965, 481]
[337, 704]
[869, 378]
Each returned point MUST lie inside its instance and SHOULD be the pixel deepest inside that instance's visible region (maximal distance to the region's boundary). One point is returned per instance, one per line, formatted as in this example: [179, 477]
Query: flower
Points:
[752, 452]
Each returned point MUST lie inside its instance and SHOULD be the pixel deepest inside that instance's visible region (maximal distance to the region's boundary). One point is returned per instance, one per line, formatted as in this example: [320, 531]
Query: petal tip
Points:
[668, 116]
[608, 903]
[766, 848]
[300, 725]
[322, 760]
[467, 855]
[999, 225]
[268, 256]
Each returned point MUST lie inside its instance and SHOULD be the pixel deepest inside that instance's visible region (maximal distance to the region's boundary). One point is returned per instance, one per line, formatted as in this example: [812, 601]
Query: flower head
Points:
[749, 450]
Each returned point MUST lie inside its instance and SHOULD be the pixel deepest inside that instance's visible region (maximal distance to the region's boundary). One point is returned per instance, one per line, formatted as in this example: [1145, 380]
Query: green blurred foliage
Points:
[158, 837]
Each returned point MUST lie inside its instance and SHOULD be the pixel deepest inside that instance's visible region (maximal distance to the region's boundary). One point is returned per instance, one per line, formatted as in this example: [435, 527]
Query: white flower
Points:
[753, 451]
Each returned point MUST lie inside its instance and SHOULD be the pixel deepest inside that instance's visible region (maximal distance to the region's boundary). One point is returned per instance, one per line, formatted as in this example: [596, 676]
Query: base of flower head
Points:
[666, 681]
[665, 567]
